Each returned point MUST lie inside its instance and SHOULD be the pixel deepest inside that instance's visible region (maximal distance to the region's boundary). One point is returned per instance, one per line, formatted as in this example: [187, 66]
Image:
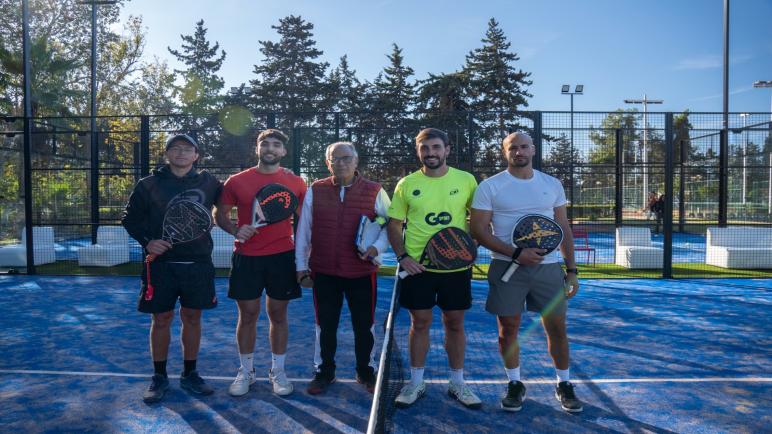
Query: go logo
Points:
[442, 218]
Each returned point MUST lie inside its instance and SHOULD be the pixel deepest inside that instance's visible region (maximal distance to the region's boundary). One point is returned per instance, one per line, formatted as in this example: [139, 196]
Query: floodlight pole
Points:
[644, 158]
[27, 144]
[92, 125]
[578, 90]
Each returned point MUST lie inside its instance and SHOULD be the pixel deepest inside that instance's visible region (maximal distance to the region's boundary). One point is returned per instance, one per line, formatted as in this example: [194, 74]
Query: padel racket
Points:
[534, 231]
[273, 203]
[448, 249]
[184, 221]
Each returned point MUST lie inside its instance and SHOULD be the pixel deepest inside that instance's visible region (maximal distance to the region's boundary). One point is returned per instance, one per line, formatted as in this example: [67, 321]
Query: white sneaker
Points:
[463, 394]
[281, 385]
[410, 394]
[240, 385]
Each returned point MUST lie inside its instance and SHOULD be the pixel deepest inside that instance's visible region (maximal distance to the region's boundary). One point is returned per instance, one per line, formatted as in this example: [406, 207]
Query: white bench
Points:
[43, 248]
[739, 247]
[223, 248]
[635, 250]
[111, 248]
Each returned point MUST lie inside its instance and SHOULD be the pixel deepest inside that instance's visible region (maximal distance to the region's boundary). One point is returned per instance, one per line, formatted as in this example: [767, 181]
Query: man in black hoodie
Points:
[185, 271]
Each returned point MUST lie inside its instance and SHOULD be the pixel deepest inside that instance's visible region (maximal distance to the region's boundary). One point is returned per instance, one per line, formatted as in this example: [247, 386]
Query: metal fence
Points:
[610, 164]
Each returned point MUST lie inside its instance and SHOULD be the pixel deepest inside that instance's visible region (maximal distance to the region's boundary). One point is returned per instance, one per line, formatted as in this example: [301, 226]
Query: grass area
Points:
[598, 271]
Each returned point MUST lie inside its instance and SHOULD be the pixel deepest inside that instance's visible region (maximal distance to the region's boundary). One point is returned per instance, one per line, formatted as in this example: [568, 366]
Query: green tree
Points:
[495, 84]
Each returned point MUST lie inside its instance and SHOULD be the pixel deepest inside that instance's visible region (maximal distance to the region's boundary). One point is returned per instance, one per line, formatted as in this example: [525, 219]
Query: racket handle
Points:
[510, 271]
[150, 257]
[403, 274]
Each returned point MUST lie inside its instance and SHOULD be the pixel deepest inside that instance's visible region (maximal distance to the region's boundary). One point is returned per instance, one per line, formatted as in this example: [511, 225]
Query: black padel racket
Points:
[448, 249]
[534, 231]
[273, 203]
[184, 221]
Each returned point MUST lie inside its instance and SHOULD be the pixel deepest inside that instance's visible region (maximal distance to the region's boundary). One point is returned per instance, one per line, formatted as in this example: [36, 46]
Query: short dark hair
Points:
[273, 133]
[432, 133]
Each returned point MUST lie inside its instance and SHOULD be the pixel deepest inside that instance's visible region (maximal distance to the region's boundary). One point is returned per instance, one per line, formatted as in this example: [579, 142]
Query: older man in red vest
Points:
[327, 258]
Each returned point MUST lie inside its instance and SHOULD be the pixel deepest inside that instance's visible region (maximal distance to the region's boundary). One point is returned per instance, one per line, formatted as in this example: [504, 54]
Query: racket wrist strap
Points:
[516, 254]
[401, 257]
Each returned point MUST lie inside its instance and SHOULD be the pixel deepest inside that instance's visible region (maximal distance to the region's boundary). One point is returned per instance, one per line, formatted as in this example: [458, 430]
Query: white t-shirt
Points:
[511, 198]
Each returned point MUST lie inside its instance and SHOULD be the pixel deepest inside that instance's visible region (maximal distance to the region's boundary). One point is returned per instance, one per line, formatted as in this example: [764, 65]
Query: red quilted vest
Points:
[335, 224]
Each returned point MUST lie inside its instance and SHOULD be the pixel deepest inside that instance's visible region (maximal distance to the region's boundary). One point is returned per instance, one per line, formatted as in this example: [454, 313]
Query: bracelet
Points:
[401, 257]
[572, 270]
[517, 253]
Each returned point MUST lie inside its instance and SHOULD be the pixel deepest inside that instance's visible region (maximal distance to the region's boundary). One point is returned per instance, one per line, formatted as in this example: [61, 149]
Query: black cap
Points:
[182, 137]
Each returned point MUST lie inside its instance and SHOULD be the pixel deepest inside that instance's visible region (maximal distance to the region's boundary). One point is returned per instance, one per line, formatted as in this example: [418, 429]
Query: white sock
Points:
[457, 376]
[513, 374]
[246, 362]
[416, 376]
[277, 362]
[562, 375]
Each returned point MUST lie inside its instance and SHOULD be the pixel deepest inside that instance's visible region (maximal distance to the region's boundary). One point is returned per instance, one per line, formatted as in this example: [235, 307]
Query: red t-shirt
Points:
[239, 191]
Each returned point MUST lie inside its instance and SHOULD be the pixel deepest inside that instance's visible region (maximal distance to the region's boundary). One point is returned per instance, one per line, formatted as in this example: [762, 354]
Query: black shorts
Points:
[192, 283]
[251, 274]
[449, 291]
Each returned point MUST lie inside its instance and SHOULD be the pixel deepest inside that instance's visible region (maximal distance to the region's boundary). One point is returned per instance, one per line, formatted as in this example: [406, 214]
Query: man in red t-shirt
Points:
[262, 258]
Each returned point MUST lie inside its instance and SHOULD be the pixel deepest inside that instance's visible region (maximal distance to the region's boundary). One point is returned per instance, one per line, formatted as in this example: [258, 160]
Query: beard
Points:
[269, 159]
[523, 162]
[433, 164]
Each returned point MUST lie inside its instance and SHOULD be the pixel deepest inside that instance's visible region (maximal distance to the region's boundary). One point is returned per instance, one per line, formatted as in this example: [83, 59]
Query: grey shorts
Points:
[539, 287]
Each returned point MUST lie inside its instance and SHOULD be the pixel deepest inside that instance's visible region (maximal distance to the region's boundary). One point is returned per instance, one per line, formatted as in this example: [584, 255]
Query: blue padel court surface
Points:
[647, 356]
[687, 248]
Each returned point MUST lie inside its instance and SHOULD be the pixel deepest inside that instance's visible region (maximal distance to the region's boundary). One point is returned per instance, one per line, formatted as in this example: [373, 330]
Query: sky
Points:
[618, 49]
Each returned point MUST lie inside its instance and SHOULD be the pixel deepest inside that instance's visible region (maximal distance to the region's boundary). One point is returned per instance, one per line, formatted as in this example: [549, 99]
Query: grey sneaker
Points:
[410, 394]
[158, 387]
[463, 394]
[281, 385]
[194, 384]
[513, 400]
[240, 385]
[564, 392]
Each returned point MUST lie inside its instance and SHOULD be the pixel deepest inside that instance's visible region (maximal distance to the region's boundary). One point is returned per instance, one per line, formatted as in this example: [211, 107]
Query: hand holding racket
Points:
[449, 249]
[272, 204]
[534, 231]
[184, 221]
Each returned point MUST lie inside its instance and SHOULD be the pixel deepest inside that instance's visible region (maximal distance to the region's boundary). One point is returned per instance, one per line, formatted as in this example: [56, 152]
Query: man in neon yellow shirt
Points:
[430, 199]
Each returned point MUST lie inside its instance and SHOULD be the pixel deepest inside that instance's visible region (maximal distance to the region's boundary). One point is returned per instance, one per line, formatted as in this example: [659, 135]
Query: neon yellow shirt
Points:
[430, 204]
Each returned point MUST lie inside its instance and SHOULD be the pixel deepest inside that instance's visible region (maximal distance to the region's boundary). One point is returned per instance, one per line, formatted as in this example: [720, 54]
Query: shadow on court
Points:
[647, 356]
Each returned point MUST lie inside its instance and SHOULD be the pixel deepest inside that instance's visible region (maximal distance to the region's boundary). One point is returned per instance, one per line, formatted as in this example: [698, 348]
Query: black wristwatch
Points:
[572, 270]
[401, 257]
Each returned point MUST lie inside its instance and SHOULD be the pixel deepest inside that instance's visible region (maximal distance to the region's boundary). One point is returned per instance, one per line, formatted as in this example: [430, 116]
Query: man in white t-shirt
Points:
[539, 282]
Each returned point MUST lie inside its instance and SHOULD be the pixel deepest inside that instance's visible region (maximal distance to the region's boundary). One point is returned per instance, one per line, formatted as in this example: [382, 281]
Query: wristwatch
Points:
[401, 257]
[572, 270]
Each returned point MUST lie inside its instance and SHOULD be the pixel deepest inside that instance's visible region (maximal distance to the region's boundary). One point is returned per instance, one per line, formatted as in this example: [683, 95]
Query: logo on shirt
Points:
[454, 191]
[194, 194]
[416, 192]
[434, 219]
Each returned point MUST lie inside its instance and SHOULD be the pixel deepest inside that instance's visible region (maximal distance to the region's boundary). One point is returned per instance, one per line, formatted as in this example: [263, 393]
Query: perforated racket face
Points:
[537, 231]
[186, 220]
[273, 203]
[449, 249]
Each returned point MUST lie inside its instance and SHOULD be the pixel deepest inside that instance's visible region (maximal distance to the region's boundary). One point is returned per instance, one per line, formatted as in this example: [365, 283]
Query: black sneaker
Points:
[194, 384]
[158, 387]
[319, 383]
[367, 379]
[513, 401]
[564, 392]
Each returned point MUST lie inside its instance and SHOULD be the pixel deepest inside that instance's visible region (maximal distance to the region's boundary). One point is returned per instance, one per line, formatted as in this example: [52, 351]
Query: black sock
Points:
[160, 367]
[190, 366]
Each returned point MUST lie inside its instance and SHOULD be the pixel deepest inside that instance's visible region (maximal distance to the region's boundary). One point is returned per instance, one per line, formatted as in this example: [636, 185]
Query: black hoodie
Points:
[144, 214]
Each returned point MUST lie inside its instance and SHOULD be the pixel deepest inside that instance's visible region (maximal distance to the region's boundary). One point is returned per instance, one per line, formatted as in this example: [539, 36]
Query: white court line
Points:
[443, 381]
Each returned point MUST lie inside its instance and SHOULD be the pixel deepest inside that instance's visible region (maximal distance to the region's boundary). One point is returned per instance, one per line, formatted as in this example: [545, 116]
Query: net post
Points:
[667, 221]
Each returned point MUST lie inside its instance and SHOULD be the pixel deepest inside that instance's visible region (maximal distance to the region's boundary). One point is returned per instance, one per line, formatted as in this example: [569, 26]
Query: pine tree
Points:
[393, 90]
[495, 85]
[290, 79]
[201, 88]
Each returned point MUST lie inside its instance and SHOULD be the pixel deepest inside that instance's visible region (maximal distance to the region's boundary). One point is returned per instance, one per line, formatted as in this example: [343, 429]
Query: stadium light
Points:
[566, 90]
[644, 159]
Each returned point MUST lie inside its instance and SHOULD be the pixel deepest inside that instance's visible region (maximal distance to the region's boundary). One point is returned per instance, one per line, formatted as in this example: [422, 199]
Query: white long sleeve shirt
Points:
[303, 237]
